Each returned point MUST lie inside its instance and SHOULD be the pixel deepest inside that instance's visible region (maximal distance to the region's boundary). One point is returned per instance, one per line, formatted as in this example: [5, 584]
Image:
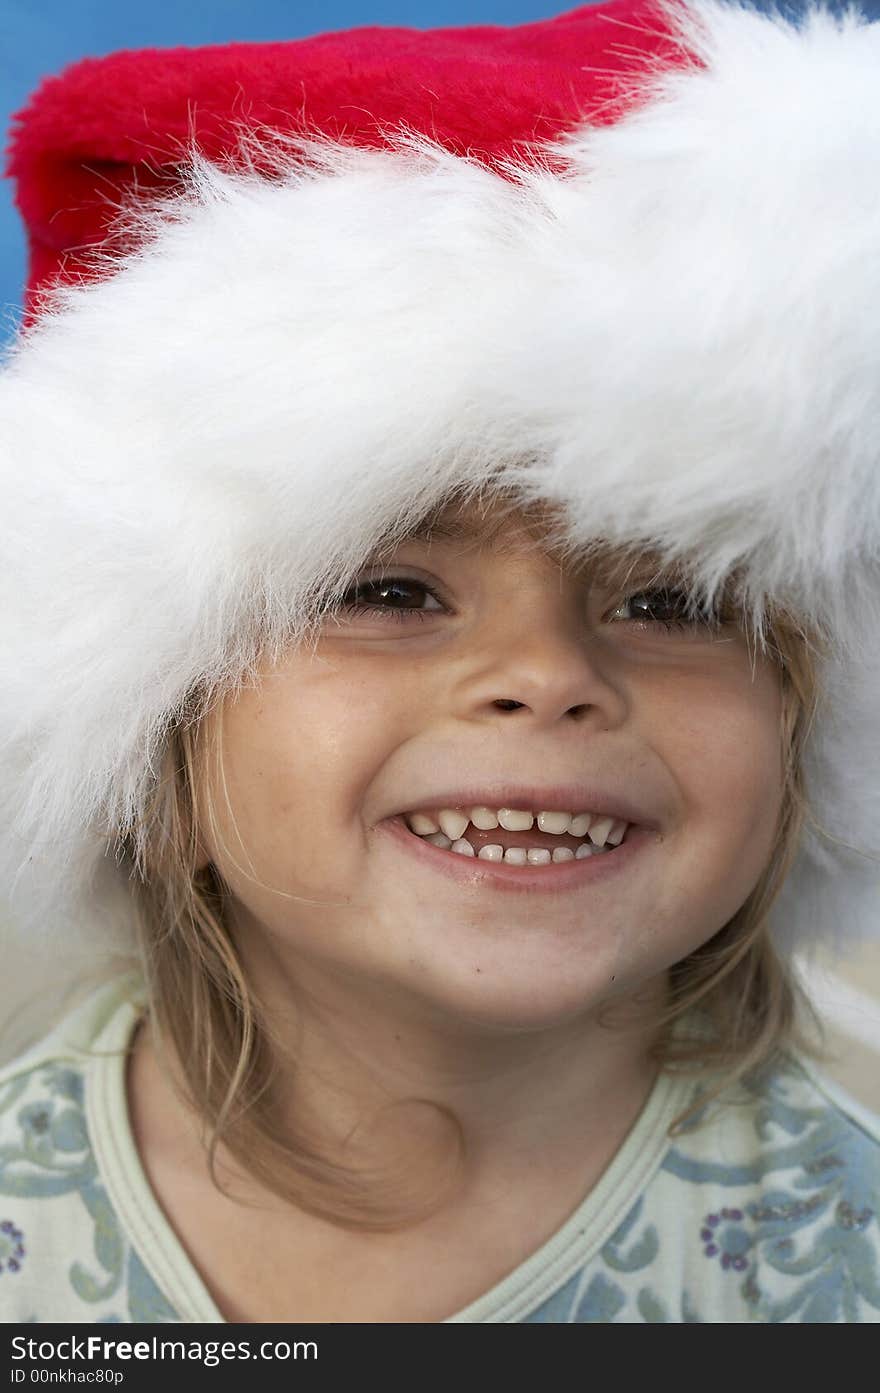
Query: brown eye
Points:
[667, 607]
[391, 596]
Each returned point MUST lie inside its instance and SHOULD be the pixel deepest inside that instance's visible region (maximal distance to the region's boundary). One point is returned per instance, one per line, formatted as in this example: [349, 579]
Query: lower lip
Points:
[551, 877]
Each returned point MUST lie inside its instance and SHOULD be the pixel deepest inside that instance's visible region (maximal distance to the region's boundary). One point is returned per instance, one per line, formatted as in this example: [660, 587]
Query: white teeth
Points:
[446, 828]
[452, 822]
[514, 855]
[439, 839]
[615, 836]
[599, 831]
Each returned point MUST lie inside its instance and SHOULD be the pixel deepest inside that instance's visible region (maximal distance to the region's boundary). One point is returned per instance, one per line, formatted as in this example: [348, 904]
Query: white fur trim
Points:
[679, 340]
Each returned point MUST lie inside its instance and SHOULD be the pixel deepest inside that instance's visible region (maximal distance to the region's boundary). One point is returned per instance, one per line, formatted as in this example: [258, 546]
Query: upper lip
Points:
[570, 798]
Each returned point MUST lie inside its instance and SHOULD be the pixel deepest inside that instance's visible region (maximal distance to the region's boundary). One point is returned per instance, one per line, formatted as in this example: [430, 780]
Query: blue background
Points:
[39, 37]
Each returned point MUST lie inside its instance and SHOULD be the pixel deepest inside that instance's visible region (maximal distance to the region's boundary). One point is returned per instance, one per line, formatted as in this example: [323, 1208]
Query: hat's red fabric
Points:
[103, 123]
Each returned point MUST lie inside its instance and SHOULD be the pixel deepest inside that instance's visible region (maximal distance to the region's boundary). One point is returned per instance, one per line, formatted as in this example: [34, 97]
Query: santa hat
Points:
[285, 297]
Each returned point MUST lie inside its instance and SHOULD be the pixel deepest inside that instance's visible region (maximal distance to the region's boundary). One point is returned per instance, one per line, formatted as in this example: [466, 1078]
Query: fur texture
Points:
[669, 324]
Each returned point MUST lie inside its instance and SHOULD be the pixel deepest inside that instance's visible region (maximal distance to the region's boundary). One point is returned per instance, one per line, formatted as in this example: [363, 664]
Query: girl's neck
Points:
[529, 1164]
[524, 1098]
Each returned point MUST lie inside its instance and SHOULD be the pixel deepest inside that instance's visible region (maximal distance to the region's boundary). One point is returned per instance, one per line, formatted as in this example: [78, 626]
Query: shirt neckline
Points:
[532, 1282]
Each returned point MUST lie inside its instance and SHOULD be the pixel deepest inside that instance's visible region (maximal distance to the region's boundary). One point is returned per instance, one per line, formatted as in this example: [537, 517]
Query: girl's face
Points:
[409, 704]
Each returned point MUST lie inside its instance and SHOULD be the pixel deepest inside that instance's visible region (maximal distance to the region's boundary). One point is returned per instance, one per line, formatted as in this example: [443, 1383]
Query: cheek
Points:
[727, 755]
[721, 746]
[299, 755]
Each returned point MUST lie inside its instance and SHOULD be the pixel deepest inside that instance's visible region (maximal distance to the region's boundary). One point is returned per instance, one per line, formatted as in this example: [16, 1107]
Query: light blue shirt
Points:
[765, 1209]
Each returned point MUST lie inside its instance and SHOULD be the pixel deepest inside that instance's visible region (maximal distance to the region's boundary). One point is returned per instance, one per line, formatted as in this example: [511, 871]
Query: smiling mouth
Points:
[518, 850]
[523, 869]
[454, 831]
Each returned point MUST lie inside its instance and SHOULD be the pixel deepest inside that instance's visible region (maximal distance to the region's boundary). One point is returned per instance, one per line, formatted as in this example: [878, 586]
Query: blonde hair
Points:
[744, 997]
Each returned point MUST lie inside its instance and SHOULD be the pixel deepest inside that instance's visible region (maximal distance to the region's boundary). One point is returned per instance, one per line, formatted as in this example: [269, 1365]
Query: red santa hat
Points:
[285, 297]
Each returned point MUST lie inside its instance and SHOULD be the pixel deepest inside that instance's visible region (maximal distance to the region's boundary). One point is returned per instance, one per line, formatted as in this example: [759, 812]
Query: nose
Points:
[545, 670]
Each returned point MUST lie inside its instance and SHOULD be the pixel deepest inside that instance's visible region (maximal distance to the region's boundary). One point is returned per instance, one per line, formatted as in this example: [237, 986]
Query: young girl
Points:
[441, 681]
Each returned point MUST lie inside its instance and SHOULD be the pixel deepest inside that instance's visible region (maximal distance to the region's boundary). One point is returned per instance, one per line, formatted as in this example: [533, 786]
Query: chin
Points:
[495, 1002]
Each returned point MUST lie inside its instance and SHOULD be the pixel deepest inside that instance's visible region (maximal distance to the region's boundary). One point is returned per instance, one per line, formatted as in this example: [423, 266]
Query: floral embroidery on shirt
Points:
[812, 1227]
[11, 1247]
[51, 1155]
[799, 1240]
[731, 1243]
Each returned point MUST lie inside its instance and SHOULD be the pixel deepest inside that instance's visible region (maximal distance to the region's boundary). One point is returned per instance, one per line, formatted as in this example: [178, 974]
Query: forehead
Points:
[507, 528]
[501, 525]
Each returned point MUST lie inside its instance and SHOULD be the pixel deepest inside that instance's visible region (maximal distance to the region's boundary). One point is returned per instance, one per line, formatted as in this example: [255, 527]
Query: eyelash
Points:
[359, 607]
